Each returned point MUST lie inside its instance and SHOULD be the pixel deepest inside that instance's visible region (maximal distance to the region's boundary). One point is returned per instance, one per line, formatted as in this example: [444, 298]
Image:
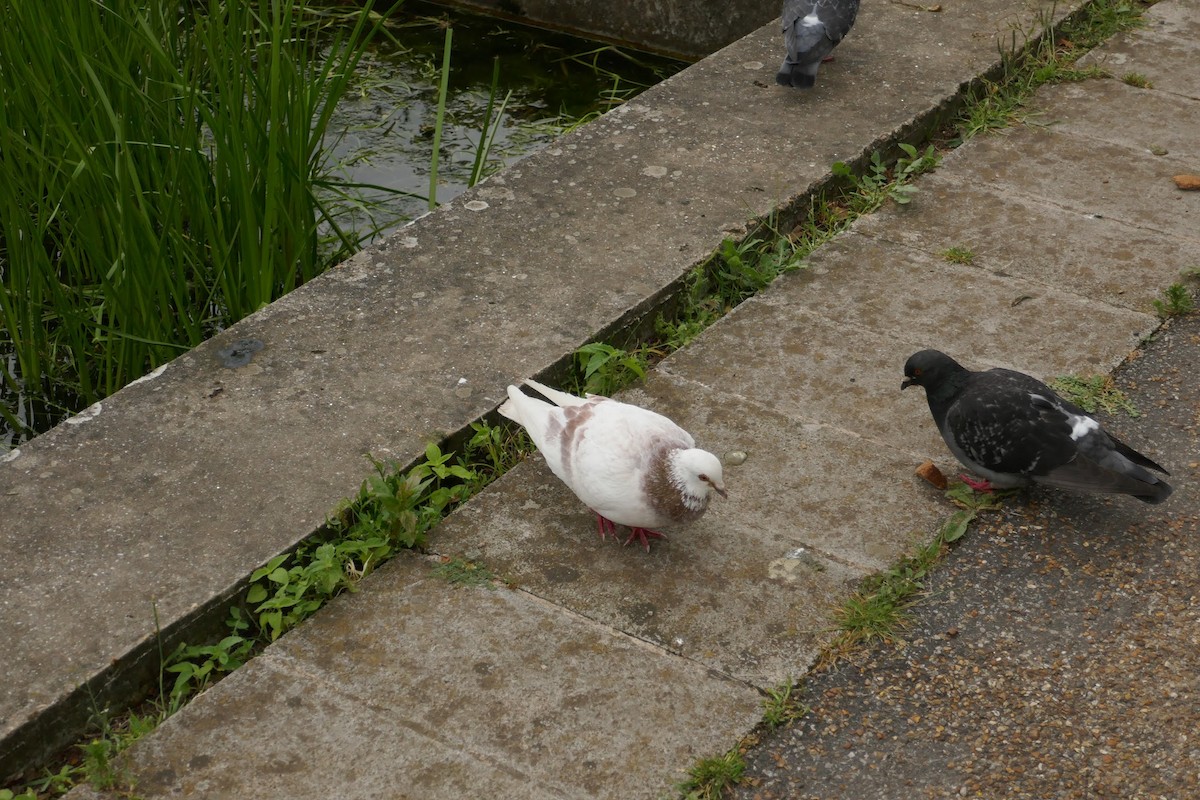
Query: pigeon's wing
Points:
[796, 10]
[805, 35]
[1106, 464]
[1005, 422]
[610, 456]
[1012, 423]
[552, 428]
[559, 398]
[837, 16]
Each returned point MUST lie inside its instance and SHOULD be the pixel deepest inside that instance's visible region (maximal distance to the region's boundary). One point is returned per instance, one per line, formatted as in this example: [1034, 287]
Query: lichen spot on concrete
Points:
[475, 205]
[794, 566]
[753, 65]
[89, 413]
[625, 192]
[149, 376]
[655, 172]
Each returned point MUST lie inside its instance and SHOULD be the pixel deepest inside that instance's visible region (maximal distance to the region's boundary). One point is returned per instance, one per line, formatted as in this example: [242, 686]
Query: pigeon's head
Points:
[929, 368]
[698, 474]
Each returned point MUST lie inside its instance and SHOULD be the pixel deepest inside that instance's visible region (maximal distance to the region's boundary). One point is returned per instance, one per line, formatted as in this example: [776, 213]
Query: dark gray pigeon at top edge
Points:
[1013, 430]
[811, 29]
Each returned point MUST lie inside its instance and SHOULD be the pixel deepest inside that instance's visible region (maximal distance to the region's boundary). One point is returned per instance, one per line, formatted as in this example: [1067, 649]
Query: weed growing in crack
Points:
[882, 182]
[394, 510]
[959, 255]
[604, 369]
[1049, 58]
[1094, 393]
[739, 270]
[1177, 300]
[709, 778]
[782, 706]
[1137, 80]
[878, 610]
[461, 572]
[493, 450]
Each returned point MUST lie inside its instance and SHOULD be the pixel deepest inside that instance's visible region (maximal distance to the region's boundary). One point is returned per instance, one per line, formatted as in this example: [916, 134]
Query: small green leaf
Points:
[268, 568]
[961, 495]
[257, 593]
[957, 525]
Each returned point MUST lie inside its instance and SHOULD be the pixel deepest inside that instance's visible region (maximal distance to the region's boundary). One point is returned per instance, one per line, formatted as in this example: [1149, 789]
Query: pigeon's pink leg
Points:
[643, 535]
[979, 486]
[826, 59]
[605, 526]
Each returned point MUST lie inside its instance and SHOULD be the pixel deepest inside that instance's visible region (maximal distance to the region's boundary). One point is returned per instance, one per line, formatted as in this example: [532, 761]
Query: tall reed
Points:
[162, 168]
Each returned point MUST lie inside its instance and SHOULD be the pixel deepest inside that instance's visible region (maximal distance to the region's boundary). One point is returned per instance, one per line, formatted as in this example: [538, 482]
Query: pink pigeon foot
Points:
[605, 526]
[826, 59]
[643, 535]
[979, 486]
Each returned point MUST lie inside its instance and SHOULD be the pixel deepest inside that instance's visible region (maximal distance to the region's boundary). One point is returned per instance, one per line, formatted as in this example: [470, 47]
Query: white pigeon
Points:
[629, 465]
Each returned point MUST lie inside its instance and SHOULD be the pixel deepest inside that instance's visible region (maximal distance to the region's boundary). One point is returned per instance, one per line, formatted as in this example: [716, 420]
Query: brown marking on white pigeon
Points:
[665, 495]
[576, 417]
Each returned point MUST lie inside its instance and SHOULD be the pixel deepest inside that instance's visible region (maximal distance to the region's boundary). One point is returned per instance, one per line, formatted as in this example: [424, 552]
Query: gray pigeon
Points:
[811, 29]
[1013, 430]
[629, 465]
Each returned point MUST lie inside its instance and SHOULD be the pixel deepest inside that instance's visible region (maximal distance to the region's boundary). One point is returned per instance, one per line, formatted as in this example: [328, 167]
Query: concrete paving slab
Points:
[275, 731]
[813, 369]
[1156, 122]
[747, 590]
[833, 489]
[1165, 51]
[1035, 241]
[1084, 175]
[913, 296]
[416, 688]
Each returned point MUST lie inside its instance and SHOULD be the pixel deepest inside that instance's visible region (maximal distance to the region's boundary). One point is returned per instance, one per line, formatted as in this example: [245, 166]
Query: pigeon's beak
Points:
[907, 382]
[721, 491]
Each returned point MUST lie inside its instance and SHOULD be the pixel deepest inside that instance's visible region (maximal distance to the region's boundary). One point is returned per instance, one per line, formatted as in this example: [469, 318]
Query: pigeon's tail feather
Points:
[516, 406]
[1088, 476]
[553, 395]
[1159, 491]
[1135, 456]
[800, 76]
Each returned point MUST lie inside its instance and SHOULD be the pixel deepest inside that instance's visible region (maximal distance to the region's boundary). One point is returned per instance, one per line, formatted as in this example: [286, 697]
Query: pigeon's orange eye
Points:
[916, 372]
[704, 478]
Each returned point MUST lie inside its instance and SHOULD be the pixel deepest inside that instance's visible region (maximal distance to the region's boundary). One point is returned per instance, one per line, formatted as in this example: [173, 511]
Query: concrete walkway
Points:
[148, 512]
[607, 672]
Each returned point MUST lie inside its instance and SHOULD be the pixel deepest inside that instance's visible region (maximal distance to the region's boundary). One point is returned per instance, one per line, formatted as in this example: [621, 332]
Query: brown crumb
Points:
[931, 473]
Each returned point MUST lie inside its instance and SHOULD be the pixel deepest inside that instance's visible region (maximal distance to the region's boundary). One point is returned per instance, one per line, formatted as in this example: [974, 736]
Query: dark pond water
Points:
[547, 84]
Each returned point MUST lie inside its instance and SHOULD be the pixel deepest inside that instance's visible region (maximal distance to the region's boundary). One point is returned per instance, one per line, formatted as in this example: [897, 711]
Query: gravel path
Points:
[1056, 655]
